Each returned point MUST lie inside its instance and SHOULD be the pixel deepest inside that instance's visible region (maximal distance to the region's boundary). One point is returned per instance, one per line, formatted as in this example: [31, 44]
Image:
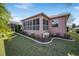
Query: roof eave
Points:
[36, 16]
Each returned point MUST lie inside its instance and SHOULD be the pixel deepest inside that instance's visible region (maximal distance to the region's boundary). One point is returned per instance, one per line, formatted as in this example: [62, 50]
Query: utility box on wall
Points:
[45, 35]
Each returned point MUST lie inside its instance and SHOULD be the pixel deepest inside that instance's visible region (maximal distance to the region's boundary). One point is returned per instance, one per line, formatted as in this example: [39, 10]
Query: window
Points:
[32, 25]
[37, 21]
[55, 23]
[33, 22]
[36, 24]
[24, 25]
[37, 27]
[28, 25]
[45, 24]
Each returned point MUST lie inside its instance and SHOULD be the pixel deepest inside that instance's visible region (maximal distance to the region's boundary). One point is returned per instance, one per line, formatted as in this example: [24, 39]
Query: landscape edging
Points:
[44, 42]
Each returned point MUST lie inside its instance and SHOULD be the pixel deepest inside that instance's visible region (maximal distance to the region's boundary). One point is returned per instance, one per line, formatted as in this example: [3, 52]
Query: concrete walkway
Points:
[44, 42]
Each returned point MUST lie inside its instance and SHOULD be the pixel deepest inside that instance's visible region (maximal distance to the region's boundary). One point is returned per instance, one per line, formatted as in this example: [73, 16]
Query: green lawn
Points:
[20, 46]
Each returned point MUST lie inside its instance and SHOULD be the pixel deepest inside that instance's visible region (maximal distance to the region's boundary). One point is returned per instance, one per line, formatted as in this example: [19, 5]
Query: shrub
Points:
[56, 35]
[74, 35]
[75, 48]
[77, 30]
[67, 36]
[33, 35]
[24, 33]
[51, 35]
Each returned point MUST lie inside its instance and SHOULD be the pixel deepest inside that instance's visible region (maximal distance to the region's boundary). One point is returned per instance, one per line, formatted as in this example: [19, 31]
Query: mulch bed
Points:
[38, 39]
[64, 37]
[44, 39]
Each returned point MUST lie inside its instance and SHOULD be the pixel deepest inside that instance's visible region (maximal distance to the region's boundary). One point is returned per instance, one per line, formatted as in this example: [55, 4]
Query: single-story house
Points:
[41, 23]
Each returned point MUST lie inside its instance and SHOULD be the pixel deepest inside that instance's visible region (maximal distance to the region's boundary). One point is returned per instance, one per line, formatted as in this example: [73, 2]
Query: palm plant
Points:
[4, 28]
[4, 19]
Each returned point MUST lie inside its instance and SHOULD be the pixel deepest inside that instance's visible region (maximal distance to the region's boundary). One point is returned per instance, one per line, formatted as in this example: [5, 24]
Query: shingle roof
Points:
[59, 15]
[49, 17]
[36, 16]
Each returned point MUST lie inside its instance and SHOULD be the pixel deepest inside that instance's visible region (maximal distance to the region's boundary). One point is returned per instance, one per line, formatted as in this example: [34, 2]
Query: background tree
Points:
[67, 8]
[73, 25]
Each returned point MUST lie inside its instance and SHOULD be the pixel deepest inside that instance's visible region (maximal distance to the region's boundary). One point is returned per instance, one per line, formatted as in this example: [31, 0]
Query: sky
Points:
[21, 11]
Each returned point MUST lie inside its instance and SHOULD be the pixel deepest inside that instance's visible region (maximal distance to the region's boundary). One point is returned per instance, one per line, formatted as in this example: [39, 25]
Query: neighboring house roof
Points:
[49, 17]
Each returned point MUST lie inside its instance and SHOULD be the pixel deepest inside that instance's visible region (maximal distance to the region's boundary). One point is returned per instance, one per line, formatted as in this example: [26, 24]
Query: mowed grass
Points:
[21, 46]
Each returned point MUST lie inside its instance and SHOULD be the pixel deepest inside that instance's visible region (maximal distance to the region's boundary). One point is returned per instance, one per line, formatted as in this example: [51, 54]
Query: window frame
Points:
[55, 23]
[45, 24]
